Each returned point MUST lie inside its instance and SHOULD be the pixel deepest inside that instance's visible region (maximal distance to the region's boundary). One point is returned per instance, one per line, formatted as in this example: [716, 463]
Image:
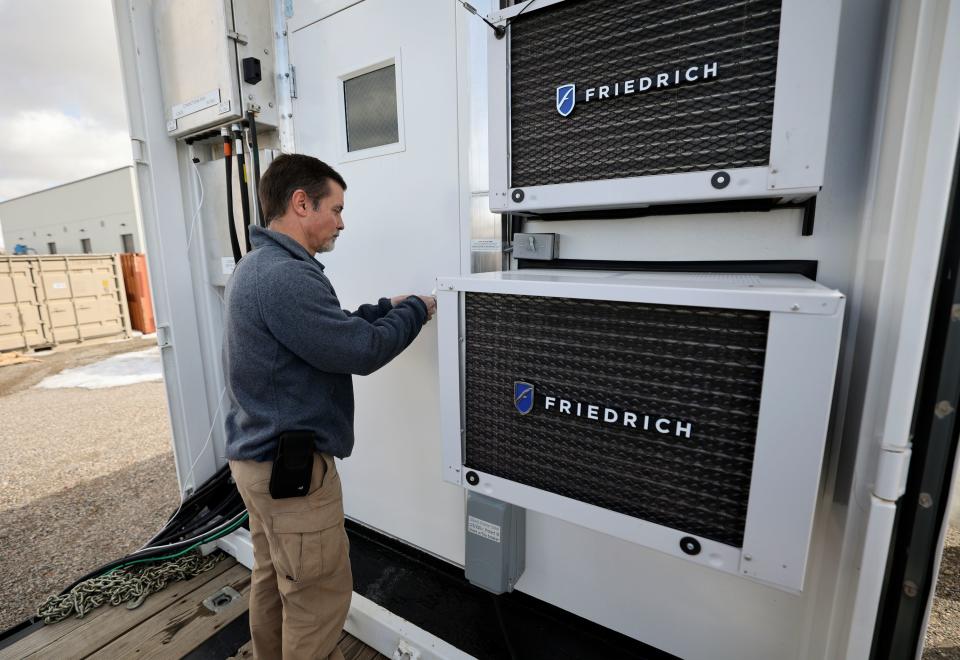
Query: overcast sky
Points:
[63, 115]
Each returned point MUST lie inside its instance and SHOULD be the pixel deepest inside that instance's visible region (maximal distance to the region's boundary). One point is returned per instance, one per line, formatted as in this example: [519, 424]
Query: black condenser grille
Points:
[691, 375]
[715, 122]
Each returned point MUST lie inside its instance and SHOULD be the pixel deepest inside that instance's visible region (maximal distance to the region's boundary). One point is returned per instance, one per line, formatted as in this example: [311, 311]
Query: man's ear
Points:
[299, 202]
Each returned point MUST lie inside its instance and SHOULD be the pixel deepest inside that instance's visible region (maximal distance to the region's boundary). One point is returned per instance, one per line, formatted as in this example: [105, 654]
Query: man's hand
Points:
[429, 301]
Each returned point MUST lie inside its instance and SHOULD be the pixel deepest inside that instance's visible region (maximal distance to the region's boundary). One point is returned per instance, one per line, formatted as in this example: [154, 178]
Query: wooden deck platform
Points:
[172, 623]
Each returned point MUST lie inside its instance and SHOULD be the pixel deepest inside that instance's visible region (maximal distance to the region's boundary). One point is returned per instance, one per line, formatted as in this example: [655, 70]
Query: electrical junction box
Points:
[535, 246]
[200, 46]
[684, 412]
[603, 105]
[495, 543]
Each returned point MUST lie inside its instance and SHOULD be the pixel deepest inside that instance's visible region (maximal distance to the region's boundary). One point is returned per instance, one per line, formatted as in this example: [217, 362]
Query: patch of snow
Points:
[123, 369]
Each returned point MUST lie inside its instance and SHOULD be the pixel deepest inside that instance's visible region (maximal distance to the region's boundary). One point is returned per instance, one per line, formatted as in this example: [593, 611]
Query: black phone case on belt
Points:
[293, 466]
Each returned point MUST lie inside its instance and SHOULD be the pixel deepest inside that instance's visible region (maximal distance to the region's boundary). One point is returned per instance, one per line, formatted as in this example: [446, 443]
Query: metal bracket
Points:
[293, 81]
[236, 36]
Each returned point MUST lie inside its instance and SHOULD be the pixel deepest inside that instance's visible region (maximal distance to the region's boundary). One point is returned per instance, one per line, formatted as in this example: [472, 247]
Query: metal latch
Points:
[221, 600]
[236, 36]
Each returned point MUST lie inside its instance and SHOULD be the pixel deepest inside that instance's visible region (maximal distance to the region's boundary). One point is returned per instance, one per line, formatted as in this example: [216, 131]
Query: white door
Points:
[377, 100]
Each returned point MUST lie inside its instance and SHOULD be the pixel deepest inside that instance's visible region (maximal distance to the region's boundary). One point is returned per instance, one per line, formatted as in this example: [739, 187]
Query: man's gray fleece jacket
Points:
[289, 349]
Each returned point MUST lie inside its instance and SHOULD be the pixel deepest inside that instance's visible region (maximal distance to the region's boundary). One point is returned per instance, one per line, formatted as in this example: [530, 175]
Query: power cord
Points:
[499, 31]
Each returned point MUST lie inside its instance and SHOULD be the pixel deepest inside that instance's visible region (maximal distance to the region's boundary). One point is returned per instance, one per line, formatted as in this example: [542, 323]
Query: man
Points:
[289, 351]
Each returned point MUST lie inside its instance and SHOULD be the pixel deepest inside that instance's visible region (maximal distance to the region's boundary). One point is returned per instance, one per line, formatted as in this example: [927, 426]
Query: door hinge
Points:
[293, 82]
[892, 472]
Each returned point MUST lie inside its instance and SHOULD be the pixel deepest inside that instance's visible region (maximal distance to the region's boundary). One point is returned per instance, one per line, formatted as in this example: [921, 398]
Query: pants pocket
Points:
[306, 544]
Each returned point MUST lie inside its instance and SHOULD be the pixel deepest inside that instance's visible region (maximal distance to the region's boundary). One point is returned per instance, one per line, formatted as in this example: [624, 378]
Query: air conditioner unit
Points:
[604, 105]
[684, 412]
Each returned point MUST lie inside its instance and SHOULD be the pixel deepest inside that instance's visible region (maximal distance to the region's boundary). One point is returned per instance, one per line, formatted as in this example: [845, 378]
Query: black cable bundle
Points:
[212, 511]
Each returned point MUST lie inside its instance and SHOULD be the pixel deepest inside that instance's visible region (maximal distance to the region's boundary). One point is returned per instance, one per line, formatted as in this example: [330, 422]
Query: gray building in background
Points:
[97, 214]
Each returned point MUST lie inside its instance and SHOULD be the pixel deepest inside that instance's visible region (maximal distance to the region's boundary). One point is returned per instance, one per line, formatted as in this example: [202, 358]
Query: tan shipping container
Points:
[56, 299]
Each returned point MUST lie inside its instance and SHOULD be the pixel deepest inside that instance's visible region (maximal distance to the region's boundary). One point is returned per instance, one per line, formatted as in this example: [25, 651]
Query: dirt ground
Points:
[943, 631]
[86, 476]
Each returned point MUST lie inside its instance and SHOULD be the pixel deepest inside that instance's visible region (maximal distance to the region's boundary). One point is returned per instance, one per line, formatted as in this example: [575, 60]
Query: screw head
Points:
[795, 307]
[943, 409]
[910, 589]
[925, 500]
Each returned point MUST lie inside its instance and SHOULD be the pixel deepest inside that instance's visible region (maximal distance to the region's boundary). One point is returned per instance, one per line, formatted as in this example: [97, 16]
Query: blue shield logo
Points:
[566, 99]
[523, 396]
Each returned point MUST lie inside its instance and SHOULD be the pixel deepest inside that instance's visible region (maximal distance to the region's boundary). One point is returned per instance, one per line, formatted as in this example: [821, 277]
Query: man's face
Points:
[323, 225]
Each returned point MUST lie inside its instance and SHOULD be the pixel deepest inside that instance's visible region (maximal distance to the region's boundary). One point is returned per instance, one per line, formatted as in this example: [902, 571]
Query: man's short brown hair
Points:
[289, 173]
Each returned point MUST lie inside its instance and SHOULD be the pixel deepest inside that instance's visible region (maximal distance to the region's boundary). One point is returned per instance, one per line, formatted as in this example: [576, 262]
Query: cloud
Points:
[63, 115]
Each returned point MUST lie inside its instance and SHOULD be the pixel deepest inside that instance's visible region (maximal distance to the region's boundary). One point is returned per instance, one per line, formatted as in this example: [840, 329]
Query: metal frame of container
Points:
[889, 164]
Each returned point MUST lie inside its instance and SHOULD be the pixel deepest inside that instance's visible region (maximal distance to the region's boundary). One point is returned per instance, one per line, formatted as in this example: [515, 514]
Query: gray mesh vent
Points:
[696, 366]
[721, 123]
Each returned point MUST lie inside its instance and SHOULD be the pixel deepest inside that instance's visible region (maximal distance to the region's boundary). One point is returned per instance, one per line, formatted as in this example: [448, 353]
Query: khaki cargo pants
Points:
[301, 583]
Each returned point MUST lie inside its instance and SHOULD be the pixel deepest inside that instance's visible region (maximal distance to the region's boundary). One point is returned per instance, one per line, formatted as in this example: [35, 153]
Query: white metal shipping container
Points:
[401, 99]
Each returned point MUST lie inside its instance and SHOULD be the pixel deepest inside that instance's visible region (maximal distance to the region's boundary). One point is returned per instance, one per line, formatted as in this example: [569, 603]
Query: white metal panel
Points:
[713, 554]
[801, 118]
[187, 313]
[798, 381]
[782, 293]
[402, 217]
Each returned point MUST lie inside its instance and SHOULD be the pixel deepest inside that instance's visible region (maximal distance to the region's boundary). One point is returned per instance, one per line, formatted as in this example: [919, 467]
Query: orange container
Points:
[135, 280]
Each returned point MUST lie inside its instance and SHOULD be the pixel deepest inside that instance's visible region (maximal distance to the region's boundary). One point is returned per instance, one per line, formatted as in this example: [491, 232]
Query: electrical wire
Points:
[185, 550]
[196, 213]
[153, 555]
[231, 224]
[255, 151]
[186, 478]
[499, 31]
[244, 183]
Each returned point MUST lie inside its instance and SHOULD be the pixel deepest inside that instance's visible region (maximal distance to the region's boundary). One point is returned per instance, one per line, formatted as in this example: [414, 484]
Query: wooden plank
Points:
[183, 626]
[71, 637]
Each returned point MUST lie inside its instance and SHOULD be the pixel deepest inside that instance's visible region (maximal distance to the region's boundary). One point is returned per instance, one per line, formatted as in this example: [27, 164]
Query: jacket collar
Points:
[261, 236]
